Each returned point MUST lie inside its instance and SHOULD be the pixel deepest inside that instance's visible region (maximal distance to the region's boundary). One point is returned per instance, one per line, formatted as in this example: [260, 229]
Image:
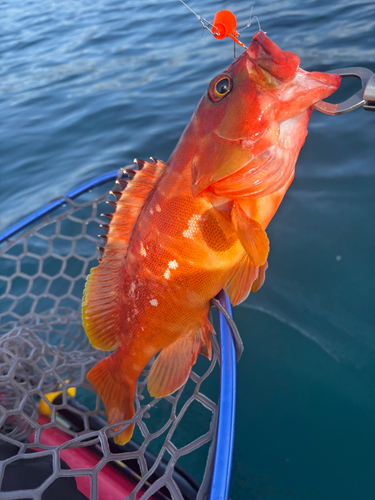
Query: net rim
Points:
[224, 439]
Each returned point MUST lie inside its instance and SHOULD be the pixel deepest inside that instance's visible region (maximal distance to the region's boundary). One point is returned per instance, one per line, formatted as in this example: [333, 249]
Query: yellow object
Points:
[45, 409]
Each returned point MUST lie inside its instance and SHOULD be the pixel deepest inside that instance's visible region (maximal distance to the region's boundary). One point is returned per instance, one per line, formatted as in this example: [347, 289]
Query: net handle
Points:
[222, 468]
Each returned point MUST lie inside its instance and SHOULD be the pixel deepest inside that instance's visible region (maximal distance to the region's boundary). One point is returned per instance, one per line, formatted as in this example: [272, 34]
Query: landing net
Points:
[43, 350]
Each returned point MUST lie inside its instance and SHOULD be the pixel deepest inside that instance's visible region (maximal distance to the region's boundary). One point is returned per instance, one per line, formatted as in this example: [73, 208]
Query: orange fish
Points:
[185, 229]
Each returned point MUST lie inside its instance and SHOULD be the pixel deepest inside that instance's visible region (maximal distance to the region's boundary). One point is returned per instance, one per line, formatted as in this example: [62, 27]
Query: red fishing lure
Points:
[224, 25]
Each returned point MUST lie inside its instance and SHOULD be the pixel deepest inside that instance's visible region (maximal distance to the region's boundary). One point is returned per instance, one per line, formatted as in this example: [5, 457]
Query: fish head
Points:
[240, 115]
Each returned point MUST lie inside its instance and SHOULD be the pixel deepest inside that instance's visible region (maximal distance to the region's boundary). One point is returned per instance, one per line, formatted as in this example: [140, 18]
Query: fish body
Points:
[185, 229]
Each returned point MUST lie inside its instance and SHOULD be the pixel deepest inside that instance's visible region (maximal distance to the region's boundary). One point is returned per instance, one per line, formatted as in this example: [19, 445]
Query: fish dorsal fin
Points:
[129, 205]
[173, 365]
[100, 299]
[245, 277]
[251, 235]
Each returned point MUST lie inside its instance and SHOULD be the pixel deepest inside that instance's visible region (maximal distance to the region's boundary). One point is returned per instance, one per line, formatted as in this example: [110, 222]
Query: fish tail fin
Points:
[117, 391]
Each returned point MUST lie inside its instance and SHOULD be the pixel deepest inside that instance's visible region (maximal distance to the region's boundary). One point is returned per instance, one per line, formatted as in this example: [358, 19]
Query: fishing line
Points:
[202, 20]
[224, 25]
[238, 344]
[250, 22]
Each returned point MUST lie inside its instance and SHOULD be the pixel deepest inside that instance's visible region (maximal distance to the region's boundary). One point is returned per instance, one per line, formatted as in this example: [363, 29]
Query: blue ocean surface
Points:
[87, 86]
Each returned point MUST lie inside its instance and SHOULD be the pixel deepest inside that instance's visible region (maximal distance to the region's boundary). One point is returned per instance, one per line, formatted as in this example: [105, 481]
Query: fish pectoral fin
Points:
[251, 235]
[249, 273]
[117, 392]
[173, 365]
[245, 277]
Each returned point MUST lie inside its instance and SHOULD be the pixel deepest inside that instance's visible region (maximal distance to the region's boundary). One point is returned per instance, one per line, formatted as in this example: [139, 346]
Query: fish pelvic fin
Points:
[251, 235]
[117, 392]
[258, 282]
[244, 278]
[240, 282]
[101, 295]
[173, 365]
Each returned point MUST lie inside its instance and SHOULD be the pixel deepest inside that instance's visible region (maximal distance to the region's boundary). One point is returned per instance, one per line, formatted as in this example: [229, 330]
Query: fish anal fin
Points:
[173, 365]
[204, 332]
[251, 235]
[117, 392]
[204, 351]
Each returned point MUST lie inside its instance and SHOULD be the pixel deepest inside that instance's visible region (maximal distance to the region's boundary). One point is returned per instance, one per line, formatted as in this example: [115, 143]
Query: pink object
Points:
[112, 485]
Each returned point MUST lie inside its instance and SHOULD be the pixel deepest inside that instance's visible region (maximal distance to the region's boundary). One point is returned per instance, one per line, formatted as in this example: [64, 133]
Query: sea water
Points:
[87, 86]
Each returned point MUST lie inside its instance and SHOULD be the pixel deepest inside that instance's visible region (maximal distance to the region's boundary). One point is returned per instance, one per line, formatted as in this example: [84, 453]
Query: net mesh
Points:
[43, 349]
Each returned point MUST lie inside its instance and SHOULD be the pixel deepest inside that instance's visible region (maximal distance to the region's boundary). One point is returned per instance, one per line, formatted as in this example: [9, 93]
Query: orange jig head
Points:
[225, 24]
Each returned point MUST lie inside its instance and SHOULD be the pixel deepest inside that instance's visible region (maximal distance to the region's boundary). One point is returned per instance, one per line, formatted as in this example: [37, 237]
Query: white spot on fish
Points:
[158, 209]
[142, 329]
[192, 227]
[132, 290]
[143, 250]
[173, 264]
[167, 274]
[128, 318]
[154, 302]
[151, 211]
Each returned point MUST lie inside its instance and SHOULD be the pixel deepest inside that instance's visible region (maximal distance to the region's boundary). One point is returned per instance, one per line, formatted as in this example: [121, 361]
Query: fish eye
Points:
[220, 87]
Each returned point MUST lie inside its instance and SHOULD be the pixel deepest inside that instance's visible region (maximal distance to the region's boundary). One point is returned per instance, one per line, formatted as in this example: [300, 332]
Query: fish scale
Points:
[185, 229]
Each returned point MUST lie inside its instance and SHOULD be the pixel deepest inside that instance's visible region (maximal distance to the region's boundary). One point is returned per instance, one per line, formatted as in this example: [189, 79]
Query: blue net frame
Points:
[216, 480]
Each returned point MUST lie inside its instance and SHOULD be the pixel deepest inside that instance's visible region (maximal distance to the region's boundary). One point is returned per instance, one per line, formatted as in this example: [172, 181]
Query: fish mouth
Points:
[298, 88]
[270, 88]
[267, 55]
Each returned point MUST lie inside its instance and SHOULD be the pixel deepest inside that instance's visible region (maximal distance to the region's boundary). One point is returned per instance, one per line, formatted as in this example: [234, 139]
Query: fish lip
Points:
[265, 54]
